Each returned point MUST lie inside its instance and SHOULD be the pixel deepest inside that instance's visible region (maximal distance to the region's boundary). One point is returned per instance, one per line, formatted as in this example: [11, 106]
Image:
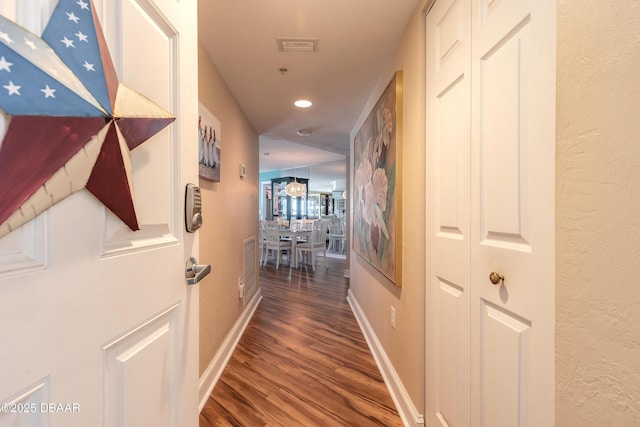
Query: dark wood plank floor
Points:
[302, 360]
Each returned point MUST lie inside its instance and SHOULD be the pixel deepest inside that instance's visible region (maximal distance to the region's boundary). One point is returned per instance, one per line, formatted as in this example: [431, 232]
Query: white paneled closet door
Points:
[448, 218]
[490, 191]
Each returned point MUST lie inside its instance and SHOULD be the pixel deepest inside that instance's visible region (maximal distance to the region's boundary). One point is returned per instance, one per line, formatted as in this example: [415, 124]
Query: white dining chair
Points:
[262, 242]
[337, 235]
[295, 224]
[275, 245]
[315, 243]
[307, 224]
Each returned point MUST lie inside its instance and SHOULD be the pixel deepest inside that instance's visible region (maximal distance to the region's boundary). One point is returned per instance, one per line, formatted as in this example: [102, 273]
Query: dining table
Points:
[295, 235]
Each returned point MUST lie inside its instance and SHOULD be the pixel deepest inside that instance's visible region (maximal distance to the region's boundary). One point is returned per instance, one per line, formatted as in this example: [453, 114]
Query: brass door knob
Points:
[496, 278]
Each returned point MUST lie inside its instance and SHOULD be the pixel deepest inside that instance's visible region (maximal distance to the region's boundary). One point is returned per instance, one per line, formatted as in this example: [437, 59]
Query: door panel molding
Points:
[157, 202]
[504, 143]
[25, 250]
[27, 404]
[146, 358]
[504, 377]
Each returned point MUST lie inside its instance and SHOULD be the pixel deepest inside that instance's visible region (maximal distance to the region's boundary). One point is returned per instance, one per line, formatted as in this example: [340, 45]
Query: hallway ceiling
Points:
[355, 39]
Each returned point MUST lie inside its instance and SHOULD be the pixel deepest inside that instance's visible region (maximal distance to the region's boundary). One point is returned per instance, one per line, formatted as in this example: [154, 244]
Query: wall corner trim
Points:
[407, 410]
[213, 372]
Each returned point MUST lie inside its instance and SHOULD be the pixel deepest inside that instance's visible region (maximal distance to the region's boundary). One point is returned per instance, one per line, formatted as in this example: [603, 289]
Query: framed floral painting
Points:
[377, 203]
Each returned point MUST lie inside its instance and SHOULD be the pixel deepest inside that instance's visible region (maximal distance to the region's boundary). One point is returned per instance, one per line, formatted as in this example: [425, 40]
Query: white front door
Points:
[97, 324]
[490, 346]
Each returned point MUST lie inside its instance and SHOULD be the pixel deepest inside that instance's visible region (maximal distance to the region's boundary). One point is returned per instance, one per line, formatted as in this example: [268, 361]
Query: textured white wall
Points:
[598, 214]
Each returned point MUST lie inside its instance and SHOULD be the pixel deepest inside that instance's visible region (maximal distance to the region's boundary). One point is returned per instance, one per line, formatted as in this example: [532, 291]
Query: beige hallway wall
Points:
[375, 294]
[230, 211]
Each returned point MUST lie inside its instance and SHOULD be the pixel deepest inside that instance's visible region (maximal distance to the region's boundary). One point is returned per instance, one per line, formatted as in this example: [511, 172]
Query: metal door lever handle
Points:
[195, 272]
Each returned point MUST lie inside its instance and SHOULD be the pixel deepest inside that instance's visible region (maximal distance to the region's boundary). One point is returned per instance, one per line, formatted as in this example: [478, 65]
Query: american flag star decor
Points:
[70, 123]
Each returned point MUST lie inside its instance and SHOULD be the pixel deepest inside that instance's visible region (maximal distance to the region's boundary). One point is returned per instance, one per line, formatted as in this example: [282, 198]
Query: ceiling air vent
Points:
[286, 44]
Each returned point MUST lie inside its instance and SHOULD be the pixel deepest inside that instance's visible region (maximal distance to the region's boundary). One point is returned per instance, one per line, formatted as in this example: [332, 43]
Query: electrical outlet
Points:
[393, 317]
[241, 287]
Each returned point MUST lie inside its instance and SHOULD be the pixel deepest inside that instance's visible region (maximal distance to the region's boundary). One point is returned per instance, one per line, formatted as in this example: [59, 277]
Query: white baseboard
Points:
[407, 410]
[211, 375]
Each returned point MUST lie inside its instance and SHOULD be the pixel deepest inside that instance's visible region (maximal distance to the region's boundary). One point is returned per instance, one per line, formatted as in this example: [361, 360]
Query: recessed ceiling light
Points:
[304, 132]
[302, 103]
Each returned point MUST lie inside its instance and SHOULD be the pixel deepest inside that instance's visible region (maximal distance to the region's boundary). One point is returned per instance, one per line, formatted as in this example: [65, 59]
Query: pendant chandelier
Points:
[295, 189]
